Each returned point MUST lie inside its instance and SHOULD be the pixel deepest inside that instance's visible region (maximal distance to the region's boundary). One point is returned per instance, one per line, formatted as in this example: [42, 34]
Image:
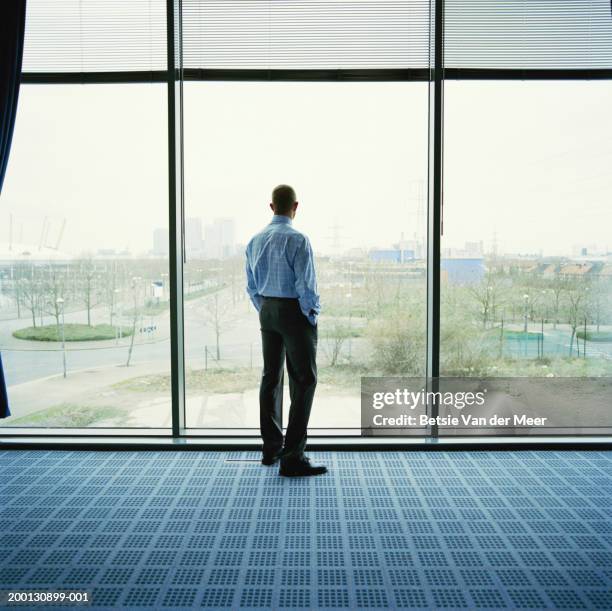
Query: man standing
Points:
[282, 285]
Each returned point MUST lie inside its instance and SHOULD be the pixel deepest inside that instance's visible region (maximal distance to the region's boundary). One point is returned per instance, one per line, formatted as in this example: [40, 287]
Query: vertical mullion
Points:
[175, 218]
[434, 208]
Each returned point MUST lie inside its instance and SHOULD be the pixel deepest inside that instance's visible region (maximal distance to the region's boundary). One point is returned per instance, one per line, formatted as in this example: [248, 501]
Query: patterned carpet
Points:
[382, 530]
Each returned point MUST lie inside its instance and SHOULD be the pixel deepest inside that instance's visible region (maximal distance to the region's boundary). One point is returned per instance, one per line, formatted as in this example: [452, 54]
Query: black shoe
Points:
[300, 468]
[270, 459]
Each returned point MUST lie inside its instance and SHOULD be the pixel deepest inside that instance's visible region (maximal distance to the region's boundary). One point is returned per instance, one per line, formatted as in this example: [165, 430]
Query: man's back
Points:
[280, 264]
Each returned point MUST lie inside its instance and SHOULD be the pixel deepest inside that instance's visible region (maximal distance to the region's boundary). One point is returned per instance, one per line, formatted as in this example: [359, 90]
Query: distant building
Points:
[474, 249]
[391, 255]
[588, 250]
[548, 270]
[470, 250]
[576, 270]
[462, 270]
[219, 239]
[417, 246]
[193, 236]
[160, 242]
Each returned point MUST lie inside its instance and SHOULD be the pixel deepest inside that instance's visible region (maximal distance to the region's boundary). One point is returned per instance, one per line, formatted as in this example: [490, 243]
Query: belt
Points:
[280, 298]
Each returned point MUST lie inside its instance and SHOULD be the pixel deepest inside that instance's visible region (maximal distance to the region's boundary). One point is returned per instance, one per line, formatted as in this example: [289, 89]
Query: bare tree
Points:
[87, 274]
[109, 288]
[558, 286]
[375, 281]
[136, 289]
[16, 286]
[486, 295]
[599, 297]
[54, 286]
[398, 343]
[218, 316]
[335, 335]
[575, 309]
[30, 289]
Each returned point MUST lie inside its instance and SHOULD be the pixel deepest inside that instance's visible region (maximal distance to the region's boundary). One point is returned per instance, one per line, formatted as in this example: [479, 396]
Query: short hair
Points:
[283, 198]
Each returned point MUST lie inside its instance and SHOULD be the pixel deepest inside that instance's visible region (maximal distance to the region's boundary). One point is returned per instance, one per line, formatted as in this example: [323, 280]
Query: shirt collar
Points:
[281, 218]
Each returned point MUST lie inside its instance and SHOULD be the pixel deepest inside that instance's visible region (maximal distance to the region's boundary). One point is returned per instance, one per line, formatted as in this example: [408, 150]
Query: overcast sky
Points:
[526, 161]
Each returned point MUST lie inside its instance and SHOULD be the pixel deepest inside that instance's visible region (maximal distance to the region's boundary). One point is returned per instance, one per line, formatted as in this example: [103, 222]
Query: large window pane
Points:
[526, 267]
[83, 258]
[356, 154]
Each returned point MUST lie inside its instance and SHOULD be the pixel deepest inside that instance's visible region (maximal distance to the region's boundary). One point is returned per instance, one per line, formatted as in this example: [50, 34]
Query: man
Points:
[282, 285]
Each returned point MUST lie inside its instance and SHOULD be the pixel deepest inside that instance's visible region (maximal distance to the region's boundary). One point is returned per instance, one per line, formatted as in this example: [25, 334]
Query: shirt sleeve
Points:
[251, 288]
[306, 281]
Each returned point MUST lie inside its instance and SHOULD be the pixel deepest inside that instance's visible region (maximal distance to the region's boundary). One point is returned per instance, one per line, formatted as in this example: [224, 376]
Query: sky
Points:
[526, 162]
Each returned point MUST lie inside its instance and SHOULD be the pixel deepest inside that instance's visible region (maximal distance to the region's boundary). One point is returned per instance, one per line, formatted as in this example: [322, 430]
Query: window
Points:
[356, 154]
[84, 259]
[526, 273]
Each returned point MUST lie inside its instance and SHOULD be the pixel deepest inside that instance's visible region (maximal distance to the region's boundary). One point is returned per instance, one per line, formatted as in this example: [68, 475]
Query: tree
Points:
[111, 282]
[30, 289]
[486, 295]
[558, 286]
[87, 274]
[335, 335]
[375, 290]
[54, 289]
[218, 316]
[136, 289]
[398, 341]
[598, 298]
[576, 311]
[16, 286]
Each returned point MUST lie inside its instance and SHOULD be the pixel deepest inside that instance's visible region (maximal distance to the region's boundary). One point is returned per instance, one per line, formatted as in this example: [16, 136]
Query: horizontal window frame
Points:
[137, 440]
[374, 74]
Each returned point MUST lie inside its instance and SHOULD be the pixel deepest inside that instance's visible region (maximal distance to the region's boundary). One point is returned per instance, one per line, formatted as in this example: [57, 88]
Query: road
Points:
[26, 360]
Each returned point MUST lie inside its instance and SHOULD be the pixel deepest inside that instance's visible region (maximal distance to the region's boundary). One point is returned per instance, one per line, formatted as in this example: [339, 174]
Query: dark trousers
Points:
[286, 333]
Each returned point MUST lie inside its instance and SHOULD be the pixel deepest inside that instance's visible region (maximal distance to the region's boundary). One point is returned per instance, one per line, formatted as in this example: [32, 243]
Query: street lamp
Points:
[526, 302]
[60, 302]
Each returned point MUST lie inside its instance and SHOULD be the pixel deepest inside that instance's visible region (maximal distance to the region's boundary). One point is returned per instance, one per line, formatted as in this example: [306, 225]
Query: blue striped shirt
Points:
[280, 263]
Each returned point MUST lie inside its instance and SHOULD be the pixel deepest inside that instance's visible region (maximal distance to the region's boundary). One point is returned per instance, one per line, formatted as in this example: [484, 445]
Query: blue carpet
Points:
[395, 530]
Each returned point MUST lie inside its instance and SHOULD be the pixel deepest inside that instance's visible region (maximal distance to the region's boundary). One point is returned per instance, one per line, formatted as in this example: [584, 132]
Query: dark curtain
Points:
[12, 26]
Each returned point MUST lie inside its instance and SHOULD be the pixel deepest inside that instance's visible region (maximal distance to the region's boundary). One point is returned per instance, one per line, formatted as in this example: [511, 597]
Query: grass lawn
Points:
[557, 366]
[330, 332]
[67, 415]
[197, 380]
[235, 380]
[74, 332]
